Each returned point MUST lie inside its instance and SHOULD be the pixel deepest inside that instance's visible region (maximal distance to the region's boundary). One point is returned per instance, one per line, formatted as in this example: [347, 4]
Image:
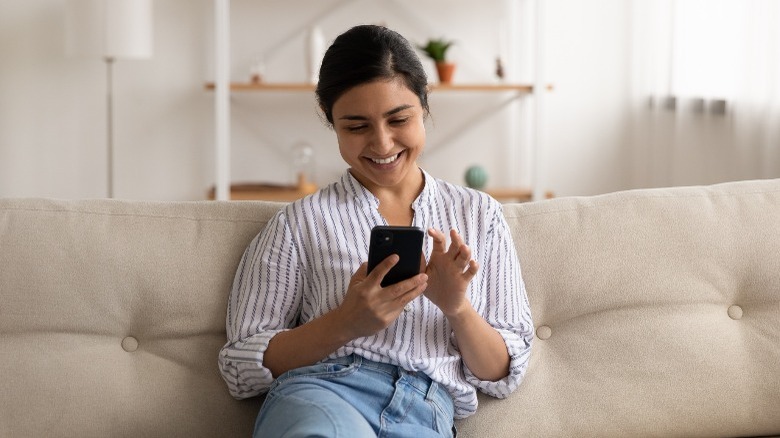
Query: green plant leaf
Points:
[436, 49]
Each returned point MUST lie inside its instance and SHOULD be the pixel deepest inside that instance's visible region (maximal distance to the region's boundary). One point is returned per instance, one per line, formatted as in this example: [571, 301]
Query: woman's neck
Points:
[395, 202]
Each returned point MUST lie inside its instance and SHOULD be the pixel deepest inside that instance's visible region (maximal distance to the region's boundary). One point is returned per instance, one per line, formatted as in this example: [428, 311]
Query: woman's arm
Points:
[483, 349]
[367, 308]
[451, 269]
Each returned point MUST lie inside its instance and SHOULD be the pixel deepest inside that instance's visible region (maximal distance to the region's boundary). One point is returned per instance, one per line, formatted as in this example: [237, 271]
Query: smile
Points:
[387, 160]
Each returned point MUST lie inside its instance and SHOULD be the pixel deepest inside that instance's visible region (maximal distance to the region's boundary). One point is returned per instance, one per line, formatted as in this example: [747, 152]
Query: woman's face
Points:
[380, 130]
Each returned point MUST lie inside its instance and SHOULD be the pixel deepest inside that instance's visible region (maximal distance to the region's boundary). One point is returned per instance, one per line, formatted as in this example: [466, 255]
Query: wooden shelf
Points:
[269, 192]
[263, 86]
[289, 86]
[263, 192]
[272, 192]
[514, 194]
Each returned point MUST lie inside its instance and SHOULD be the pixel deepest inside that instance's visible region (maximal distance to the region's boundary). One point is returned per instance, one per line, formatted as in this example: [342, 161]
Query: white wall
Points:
[52, 109]
[587, 118]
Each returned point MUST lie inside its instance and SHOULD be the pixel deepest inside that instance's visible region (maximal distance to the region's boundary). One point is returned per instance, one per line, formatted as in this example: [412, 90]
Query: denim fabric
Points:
[355, 397]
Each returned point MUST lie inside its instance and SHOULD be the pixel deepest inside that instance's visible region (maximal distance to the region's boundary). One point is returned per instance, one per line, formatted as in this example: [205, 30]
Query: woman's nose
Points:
[382, 141]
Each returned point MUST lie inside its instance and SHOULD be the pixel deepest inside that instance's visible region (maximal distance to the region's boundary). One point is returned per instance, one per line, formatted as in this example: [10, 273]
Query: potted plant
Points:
[436, 49]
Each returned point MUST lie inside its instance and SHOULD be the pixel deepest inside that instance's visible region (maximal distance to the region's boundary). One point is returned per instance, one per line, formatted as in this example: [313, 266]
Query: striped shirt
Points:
[298, 268]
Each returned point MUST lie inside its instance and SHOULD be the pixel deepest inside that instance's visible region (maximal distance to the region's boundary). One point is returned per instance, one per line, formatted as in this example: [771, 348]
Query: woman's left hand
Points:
[449, 272]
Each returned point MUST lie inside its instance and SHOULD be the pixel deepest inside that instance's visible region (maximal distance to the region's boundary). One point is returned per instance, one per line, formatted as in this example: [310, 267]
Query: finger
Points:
[360, 274]
[403, 288]
[380, 270]
[439, 240]
[412, 294]
[458, 247]
[362, 270]
[455, 243]
[472, 270]
[464, 254]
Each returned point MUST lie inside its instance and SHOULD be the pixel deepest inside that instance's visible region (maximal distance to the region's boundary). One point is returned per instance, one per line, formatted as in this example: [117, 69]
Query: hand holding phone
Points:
[406, 242]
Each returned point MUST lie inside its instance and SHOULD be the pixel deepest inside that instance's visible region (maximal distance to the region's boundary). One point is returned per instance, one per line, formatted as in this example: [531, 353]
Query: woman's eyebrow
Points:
[386, 114]
[397, 110]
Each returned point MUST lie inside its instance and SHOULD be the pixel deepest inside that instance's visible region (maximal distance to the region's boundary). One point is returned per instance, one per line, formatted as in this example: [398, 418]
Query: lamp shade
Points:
[109, 28]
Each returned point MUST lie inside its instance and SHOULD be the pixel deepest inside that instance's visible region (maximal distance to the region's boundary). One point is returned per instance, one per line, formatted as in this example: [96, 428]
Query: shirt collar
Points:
[428, 193]
[362, 195]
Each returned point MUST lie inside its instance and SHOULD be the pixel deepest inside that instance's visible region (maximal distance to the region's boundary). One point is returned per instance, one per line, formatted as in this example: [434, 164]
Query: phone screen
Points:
[404, 241]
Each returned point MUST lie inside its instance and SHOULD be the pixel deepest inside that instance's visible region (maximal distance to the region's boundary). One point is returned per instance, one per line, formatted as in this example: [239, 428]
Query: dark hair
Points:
[364, 54]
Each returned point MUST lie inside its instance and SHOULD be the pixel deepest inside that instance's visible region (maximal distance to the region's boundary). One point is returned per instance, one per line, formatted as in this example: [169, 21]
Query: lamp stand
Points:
[110, 124]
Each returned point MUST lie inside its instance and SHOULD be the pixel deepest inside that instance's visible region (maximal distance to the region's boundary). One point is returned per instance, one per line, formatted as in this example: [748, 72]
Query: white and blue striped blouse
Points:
[299, 268]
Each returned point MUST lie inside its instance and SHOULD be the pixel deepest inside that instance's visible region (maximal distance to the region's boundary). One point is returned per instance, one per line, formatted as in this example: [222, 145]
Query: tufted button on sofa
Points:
[656, 313]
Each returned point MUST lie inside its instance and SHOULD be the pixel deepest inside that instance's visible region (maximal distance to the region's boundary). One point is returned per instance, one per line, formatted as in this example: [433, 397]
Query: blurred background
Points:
[644, 93]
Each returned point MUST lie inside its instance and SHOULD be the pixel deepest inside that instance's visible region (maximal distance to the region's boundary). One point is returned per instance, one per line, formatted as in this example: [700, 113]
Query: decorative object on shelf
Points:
[476, 177]
[436, 49]
[303, 165]
[315, 50]
[257, 71]
[110, 30]
[499, 69]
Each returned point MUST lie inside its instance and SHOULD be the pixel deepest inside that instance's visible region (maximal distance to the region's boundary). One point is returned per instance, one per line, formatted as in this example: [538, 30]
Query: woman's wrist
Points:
[459, 312]
[461, 315]
[340, 326]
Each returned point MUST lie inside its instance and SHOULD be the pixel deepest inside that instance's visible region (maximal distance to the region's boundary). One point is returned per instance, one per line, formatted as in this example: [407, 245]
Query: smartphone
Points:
[404, 241]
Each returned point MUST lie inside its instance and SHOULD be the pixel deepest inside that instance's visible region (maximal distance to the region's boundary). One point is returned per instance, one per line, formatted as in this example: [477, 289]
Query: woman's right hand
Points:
[368, 307]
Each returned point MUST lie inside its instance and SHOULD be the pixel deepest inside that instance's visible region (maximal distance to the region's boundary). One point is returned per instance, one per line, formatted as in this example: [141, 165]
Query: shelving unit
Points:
[263, 86]
[223, 88]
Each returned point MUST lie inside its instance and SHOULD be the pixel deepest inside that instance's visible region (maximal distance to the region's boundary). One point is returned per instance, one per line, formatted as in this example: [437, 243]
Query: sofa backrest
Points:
[112, 314]
[657, 312]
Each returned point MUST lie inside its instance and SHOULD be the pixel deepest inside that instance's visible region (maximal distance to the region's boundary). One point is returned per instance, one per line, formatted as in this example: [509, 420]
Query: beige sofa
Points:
[657, 312]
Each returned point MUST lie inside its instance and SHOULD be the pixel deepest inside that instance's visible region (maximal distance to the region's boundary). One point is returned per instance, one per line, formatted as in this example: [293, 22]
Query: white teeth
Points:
[387, 160]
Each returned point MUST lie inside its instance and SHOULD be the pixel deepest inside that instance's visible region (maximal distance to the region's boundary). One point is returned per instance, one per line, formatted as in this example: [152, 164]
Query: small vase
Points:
[315, 50]
[445, 71]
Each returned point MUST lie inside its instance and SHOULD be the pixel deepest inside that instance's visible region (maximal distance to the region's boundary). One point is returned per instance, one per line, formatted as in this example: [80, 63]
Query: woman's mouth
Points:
[387, 160]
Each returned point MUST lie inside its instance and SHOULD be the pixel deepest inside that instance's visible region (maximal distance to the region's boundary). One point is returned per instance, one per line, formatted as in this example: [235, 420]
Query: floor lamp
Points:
[109, 30]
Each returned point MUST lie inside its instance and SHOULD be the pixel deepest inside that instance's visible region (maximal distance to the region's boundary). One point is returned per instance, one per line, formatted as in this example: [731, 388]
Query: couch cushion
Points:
[112, 315]
[657, 313]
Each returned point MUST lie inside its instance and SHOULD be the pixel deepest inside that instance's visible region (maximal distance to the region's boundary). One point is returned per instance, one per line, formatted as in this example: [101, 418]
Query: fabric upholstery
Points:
[657, 313]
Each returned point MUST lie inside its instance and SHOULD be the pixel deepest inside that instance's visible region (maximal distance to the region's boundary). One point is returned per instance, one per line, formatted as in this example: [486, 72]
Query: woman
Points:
[338, 354]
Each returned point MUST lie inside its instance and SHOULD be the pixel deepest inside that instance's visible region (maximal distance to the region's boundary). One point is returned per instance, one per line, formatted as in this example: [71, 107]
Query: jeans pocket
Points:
[317, 371]
[443, 410]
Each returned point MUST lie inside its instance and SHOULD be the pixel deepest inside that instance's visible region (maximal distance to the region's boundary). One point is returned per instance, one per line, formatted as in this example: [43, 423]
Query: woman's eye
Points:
[356, 128]
[399, 121]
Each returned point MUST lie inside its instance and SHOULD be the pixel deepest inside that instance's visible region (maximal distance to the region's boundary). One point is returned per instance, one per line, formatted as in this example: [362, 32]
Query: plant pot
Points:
[445, 71]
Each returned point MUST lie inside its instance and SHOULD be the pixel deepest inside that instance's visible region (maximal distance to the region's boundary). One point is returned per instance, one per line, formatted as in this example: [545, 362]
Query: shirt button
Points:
[408, 307]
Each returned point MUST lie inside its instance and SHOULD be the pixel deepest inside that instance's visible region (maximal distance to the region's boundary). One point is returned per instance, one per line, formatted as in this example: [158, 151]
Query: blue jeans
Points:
[355, 397]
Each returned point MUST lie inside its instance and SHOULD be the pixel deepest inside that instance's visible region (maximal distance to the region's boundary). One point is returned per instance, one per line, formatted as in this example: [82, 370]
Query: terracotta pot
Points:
[445, 71]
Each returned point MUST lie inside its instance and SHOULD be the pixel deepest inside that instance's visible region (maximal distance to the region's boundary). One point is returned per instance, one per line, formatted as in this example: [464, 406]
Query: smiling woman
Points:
[339, 354]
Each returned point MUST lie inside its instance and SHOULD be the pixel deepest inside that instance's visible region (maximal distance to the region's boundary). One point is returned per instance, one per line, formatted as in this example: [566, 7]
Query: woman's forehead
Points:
[375, 98]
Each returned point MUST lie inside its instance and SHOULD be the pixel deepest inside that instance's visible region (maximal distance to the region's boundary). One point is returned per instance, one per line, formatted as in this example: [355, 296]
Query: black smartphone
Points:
[404, 241]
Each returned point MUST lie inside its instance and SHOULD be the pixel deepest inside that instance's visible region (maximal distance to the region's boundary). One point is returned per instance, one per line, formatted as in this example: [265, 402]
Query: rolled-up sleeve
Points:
[506, 308]
[265, 299]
